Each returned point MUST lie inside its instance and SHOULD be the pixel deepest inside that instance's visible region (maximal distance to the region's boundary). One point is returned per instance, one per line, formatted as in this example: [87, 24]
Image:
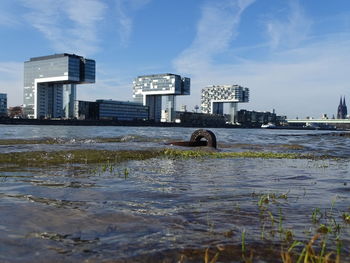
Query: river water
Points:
[172, 209]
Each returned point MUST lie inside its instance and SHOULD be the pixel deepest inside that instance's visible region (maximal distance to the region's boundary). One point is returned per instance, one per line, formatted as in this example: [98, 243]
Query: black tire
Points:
[198, 135]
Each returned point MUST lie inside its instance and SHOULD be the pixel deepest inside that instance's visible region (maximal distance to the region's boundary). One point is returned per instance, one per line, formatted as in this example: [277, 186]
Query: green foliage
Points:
[323, 229]
[249, 154]
[126, 173]
[243, 242]
[86, 156]
[346, 218]
[82, 156]
[316, 215]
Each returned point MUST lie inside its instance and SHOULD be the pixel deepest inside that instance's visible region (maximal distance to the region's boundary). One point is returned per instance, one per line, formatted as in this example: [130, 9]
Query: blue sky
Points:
[294, 56]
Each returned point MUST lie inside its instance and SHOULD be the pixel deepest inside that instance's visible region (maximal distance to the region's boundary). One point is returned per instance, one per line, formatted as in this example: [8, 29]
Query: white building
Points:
[158, 93]
[214, 97]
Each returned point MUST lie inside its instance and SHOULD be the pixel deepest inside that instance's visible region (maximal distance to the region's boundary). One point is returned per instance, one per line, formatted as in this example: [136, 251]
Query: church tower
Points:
[345, 109]
[340, 109]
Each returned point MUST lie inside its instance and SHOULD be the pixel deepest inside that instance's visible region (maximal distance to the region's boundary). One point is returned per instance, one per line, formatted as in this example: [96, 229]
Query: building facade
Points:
[111, 110]
[86, 110]
[50, 84]
[193, 119]
[254, 119]
[3, 104]
[214, 97]
[159, 92]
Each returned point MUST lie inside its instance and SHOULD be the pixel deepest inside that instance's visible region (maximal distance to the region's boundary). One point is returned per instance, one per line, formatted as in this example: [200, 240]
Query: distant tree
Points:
[15, 112]
[196, 108]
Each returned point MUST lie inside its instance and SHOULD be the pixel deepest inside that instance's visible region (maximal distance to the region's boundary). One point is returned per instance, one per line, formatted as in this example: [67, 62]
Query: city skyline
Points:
[292, 55]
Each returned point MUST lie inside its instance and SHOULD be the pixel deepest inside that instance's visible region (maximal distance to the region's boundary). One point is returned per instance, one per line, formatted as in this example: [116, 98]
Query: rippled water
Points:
[170, 209]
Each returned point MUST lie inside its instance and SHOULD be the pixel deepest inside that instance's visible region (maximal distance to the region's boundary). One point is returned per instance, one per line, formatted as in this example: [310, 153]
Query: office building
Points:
[159, 92]
[3, 104]
[214, 97]
[193, 119]
[50, 84]
[86, 110]
[254, 119]
[111, 110]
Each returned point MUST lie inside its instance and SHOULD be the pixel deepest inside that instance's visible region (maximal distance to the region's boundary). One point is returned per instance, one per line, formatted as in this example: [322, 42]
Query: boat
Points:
[268, 126]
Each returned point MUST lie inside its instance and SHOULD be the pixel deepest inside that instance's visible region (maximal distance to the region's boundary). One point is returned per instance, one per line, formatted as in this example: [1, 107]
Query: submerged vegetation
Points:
[322, 244]
[85, 156]
[50, 141]
[42, 158]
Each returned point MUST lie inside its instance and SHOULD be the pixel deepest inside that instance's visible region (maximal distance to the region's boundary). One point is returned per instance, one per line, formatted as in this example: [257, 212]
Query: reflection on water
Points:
[164, 209]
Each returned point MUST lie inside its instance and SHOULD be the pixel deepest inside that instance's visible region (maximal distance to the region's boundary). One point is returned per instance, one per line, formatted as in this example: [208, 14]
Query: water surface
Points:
[170, 209]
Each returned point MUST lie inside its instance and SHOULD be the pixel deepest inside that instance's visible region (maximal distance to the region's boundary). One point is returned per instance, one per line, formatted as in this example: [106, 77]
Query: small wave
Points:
[128, 138]
[299, 177]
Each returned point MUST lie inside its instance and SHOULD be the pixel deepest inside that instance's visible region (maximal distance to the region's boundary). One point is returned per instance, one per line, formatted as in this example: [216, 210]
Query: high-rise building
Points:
[214, 97]
[50, 84]
[3, 104]
[342, 109]
[159, 91]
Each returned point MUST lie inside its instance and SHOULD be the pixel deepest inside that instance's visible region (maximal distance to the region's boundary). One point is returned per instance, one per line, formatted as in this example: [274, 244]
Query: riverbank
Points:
[74, 122]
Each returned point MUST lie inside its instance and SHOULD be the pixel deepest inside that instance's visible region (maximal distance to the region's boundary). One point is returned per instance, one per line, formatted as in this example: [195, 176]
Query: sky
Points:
[293, 55]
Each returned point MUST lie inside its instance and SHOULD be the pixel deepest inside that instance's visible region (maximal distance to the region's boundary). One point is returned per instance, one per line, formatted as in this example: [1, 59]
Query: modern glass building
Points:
[160, 90]
[50, 84]
[111, 110]
[3, 104]
[214, 97]
[122, 110]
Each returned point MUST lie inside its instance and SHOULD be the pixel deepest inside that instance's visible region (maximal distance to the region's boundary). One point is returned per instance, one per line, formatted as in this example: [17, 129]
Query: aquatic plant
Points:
[87, 156]
[88, 140]
[243, 242]
[346, 217]
[174, 153]
[316, 215]
[206, 257]
[82, 156]
[309, 254]
[126, 173]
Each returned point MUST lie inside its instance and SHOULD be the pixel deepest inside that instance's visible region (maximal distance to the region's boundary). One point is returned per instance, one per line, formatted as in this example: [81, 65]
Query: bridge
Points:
[338, 123]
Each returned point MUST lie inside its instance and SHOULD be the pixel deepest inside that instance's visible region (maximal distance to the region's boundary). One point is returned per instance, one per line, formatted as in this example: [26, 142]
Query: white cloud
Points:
[297, 78]
[306, 81]
[125, 23]
[7, 19]
[290, 32]
[215, 30]
[70, 26]
[125, 10]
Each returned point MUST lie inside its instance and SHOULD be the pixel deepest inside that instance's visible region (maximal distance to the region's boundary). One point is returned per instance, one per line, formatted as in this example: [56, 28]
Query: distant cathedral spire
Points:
[345, 109]
[342, 109]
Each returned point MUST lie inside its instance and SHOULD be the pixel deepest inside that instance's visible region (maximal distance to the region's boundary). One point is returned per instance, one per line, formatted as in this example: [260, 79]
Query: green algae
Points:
[29, 141]
[246, 154]
[83, 156]
[42, 158]
[51, 141]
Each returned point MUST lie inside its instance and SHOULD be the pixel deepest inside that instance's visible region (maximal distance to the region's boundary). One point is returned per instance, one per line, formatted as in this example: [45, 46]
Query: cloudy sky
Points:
[294, 56]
